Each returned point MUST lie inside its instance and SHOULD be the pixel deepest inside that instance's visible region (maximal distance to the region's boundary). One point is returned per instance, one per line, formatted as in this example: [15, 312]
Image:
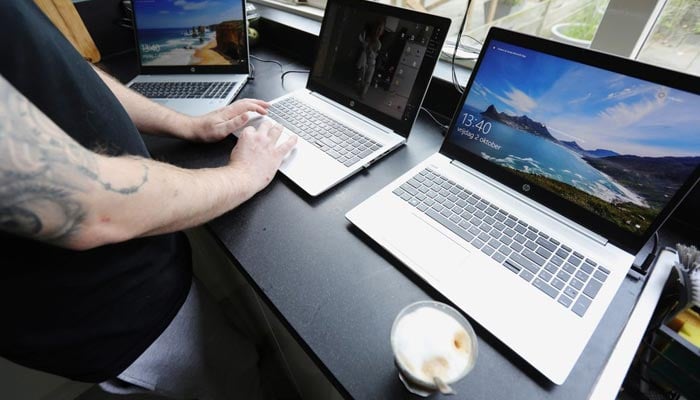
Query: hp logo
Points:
[526, 187]
[193, 69]
[352, 103]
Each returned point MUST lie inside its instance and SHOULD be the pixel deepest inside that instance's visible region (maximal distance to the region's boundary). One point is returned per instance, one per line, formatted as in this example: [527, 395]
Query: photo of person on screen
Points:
[371, 45]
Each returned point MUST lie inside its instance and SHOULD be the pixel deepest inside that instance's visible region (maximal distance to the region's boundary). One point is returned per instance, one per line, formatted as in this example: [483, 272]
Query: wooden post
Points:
[66, 18]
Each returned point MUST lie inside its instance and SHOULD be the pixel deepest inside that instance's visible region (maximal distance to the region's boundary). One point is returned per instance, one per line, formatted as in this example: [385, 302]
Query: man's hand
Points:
[218, 124]
[153, 118]
[258, 155]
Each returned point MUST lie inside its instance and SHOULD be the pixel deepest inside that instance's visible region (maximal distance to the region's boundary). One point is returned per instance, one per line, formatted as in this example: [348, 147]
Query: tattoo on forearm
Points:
[42, 172]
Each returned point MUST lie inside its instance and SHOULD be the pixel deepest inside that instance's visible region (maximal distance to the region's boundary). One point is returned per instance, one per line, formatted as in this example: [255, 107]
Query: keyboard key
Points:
[545, 276]
[592, 288]
[534, 257]
[582, 276]
[564, 300]
[577, 284]
[505, 240]
[557, 283]
[546, 243]
[516, 246]
[563, 252]
[551, 268]
[564, 276]
[499, 257]
[587, 268]
[569, 268]
[532, 267]
[545, 287]
[527, 275]
[448, 224]
[520, 238]
[581, 306]
[571, 292]
[505, 250]
[556, 260]
[543, 252]
[599, 275]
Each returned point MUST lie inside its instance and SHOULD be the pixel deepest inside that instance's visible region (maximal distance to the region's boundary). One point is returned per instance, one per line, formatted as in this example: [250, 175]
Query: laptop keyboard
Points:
[557, 270]
[333, 138]
[183, 90]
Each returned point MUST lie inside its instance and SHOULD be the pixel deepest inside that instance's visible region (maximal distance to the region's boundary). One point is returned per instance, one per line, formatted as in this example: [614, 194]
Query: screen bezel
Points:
[242, 68]
[622, 238]
[425, 73]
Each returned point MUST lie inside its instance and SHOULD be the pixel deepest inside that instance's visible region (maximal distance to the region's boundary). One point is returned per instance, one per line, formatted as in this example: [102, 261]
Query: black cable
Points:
[454, 53]
[440, 124]
[268, 61]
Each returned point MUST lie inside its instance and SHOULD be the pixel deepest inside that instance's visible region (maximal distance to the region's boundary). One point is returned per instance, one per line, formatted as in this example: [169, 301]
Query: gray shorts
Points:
[199, 355]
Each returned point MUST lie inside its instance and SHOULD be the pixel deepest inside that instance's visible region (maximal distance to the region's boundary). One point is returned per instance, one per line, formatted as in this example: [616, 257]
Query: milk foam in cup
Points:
[431, 339]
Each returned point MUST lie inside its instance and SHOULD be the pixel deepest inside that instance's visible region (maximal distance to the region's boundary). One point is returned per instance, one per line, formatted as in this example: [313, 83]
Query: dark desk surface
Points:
[338, 292]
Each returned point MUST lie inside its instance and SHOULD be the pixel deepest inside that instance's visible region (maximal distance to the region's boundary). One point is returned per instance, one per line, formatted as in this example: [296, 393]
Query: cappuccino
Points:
[430, 340]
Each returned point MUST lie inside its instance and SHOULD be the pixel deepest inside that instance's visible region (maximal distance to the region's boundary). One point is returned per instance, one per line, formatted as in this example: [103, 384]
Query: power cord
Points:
[284, 73]
[442, 126]
[268, 61]
[455, 82]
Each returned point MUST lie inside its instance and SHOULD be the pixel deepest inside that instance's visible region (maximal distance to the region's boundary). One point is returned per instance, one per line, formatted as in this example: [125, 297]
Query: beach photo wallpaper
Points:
[190, 32]
[618, 146]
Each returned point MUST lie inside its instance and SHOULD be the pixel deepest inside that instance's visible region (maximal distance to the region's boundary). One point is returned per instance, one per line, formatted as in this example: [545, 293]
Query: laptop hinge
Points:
[353, 113]
[540, 208]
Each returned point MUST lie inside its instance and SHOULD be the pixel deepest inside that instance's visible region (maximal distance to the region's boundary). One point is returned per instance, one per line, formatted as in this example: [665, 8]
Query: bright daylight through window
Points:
[672, 42]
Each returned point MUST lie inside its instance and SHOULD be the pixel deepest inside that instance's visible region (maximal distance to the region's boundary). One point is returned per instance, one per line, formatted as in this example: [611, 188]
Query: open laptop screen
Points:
[190, 32]
[377, 59]
[596, 135]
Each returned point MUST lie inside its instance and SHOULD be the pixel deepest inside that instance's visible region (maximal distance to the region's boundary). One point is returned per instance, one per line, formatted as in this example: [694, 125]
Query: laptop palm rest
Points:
[414, 235]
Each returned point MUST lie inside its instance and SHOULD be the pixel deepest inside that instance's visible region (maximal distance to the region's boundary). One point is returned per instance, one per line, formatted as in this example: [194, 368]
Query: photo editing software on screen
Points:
[177, 33]
[374, 59]
[616, 145]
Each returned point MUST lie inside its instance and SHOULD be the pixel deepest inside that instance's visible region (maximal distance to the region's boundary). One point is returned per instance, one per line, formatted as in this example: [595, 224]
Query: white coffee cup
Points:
[431, 339]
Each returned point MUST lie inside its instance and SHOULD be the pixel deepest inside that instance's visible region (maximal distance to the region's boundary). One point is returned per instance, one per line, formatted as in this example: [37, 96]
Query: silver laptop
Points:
[193, 56]
[558, 166]
[372, 69]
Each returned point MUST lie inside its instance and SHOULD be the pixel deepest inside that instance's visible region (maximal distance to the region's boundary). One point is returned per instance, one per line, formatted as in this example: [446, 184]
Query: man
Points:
[96, 281]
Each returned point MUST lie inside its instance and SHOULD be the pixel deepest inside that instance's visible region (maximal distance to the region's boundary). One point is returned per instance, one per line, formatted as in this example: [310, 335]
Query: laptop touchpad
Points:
[434, 252]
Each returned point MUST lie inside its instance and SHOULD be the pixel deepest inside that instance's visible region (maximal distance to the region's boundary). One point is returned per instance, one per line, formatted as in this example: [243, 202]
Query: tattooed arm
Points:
[54, 190]
[151, 117]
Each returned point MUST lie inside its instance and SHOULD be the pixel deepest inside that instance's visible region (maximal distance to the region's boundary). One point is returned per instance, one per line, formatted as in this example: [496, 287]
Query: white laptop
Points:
[558, 166]
[372, 69]
[193, 55]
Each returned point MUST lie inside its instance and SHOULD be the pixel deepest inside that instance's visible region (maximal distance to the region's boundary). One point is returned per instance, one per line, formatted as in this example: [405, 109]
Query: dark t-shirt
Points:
[86, 315]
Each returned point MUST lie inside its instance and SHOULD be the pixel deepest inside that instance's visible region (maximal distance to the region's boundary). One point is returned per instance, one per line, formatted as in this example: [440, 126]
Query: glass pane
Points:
[675, 39]
[570, 21]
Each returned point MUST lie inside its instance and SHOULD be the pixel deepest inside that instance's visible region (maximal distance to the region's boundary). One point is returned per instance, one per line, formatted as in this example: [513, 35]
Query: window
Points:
[662, 32]
[675, 38]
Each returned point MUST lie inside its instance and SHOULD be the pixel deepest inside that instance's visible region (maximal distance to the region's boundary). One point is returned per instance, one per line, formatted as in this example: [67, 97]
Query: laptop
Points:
[193, 55]
[372, 69]
[558, 166]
